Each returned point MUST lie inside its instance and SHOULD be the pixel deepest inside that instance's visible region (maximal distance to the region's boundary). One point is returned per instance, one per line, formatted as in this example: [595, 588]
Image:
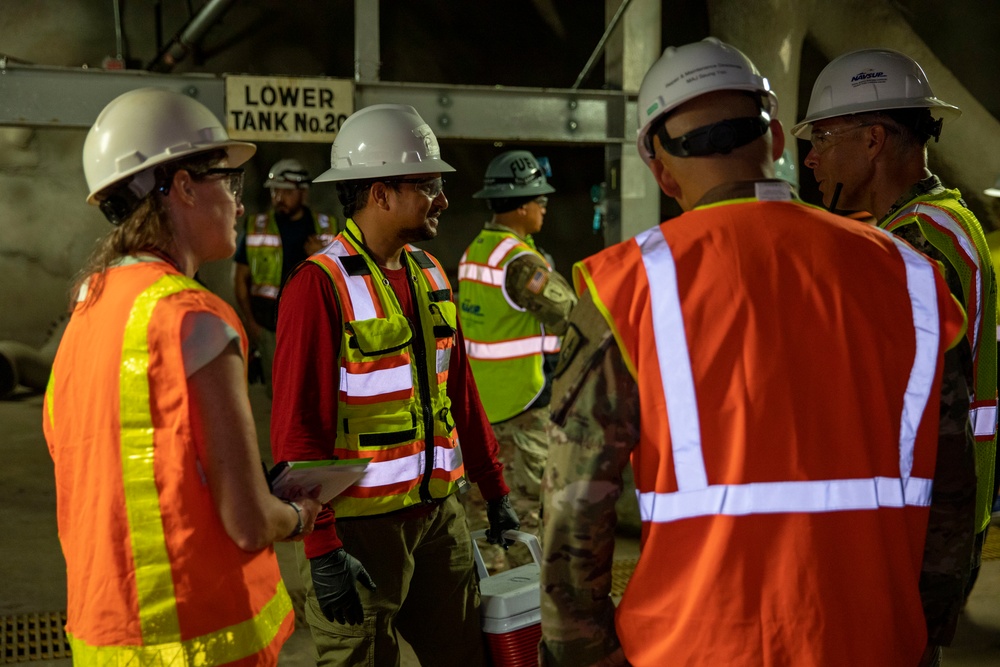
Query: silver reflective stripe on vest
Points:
[258, 240]
[512, 349]
[376, 382]
[695, 497]
[443, 360]
[361, 298]
[984, 420]
[502, 249]
[672, 351]
[481, 274]
[383, 473]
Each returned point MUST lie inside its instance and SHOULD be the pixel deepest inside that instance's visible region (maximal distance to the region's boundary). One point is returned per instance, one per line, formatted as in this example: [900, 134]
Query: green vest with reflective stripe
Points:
[265, 254]
[505, 343]
[393, 404]
[954, 231]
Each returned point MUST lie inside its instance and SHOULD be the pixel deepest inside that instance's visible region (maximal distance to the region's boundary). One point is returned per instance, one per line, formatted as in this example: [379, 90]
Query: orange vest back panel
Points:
[778, 528]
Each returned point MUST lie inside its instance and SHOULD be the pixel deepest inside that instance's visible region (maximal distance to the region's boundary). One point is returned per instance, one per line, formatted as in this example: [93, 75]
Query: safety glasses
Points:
[824, 140]
[430, 187]
[234, 175]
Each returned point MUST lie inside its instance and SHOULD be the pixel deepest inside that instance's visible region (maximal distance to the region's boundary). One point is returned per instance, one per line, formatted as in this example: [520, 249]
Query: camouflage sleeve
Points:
[951, 525]
[598, 402]
[532, 285]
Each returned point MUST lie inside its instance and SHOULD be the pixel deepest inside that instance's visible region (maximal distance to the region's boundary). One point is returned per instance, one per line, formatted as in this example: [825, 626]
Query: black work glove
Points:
[501, 517]
[334, 576]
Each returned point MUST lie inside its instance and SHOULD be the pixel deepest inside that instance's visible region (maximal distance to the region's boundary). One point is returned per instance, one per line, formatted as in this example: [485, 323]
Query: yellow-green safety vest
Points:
[393, 404]
[505, 343]
[264, 253]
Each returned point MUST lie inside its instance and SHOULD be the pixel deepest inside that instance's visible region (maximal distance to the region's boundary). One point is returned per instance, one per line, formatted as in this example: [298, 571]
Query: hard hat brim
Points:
[938, 108]
[510, 191]
[387, 171]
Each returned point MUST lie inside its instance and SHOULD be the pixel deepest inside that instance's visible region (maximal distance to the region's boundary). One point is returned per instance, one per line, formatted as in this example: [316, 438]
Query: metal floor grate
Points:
[621, 572]
[32, 637]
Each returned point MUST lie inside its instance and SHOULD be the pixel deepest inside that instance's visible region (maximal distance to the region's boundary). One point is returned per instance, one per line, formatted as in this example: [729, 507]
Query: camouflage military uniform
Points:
[597, 405]
[524, 439]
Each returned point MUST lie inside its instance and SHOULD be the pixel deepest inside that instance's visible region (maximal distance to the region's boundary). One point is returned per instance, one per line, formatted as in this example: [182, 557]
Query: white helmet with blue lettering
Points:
[871, 80]
[684, 72]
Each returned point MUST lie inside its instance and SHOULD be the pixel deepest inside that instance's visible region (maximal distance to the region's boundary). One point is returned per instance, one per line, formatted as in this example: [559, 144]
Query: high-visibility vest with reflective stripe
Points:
[505, 343]
[952, 228]
[264, 253]
[393, 404]
[783, 520]
[152, 576]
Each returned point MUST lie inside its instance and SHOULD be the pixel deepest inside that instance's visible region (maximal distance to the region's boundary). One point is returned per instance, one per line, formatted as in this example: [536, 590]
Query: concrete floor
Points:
[32, 570]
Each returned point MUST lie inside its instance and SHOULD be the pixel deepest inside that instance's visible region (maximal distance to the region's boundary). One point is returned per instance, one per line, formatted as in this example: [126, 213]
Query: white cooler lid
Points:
[511, 592]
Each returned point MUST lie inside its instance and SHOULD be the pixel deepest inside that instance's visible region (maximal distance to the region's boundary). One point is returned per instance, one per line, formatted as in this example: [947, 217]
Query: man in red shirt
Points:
[370, 364]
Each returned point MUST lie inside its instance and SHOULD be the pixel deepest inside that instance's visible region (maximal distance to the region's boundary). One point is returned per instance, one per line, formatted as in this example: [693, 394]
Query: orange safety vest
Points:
[783, 521]
[152, 576]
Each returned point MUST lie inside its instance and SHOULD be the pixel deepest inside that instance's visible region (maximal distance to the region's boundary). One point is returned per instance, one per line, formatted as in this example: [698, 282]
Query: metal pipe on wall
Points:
[189, 36]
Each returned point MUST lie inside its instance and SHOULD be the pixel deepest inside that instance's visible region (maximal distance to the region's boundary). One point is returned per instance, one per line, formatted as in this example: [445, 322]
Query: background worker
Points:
[783, 446]
[514, 307]
[869, 152]
[371, 364]
[273, 244]
[165, 517]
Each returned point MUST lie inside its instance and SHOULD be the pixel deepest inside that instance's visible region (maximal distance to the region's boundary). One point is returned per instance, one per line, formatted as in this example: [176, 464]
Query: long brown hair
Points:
[148, 228]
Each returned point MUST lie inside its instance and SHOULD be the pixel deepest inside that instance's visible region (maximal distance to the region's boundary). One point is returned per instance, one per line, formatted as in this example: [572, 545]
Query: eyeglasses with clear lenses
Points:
[429, 187]
[233, 174]
[824, 140]
[541, 201]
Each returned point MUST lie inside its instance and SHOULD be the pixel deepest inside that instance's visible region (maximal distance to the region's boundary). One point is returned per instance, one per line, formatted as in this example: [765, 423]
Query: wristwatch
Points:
[298, 513]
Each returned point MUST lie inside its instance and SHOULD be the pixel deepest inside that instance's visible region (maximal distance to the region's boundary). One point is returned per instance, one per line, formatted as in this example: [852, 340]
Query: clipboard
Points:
[332, 476]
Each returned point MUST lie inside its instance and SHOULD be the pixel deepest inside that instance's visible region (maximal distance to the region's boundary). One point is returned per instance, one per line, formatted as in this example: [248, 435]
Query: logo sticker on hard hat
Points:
[431, 147]
[868, 76]
[524, 170]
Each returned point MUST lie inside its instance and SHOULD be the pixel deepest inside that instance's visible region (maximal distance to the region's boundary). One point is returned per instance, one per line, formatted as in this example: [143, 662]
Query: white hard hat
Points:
[384, 140]
[685, 72]
[870, 80]
[146, 127]
[288, 174]
[514, 174]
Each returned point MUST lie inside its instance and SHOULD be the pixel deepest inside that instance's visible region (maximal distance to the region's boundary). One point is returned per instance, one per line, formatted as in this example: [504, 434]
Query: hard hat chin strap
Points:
[836, 198]
[716, 139]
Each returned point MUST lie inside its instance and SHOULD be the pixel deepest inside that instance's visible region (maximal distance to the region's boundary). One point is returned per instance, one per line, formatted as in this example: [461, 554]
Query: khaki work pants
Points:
[424, 573]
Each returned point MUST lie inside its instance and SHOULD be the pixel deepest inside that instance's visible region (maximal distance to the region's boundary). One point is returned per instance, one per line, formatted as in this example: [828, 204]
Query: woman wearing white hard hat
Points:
[165, 516]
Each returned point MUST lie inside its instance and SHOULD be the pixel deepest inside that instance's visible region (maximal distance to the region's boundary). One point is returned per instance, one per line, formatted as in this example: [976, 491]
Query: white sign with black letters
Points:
[267, 108]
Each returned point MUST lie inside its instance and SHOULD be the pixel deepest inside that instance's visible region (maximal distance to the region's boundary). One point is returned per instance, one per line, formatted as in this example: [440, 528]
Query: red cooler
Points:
[511, 606]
